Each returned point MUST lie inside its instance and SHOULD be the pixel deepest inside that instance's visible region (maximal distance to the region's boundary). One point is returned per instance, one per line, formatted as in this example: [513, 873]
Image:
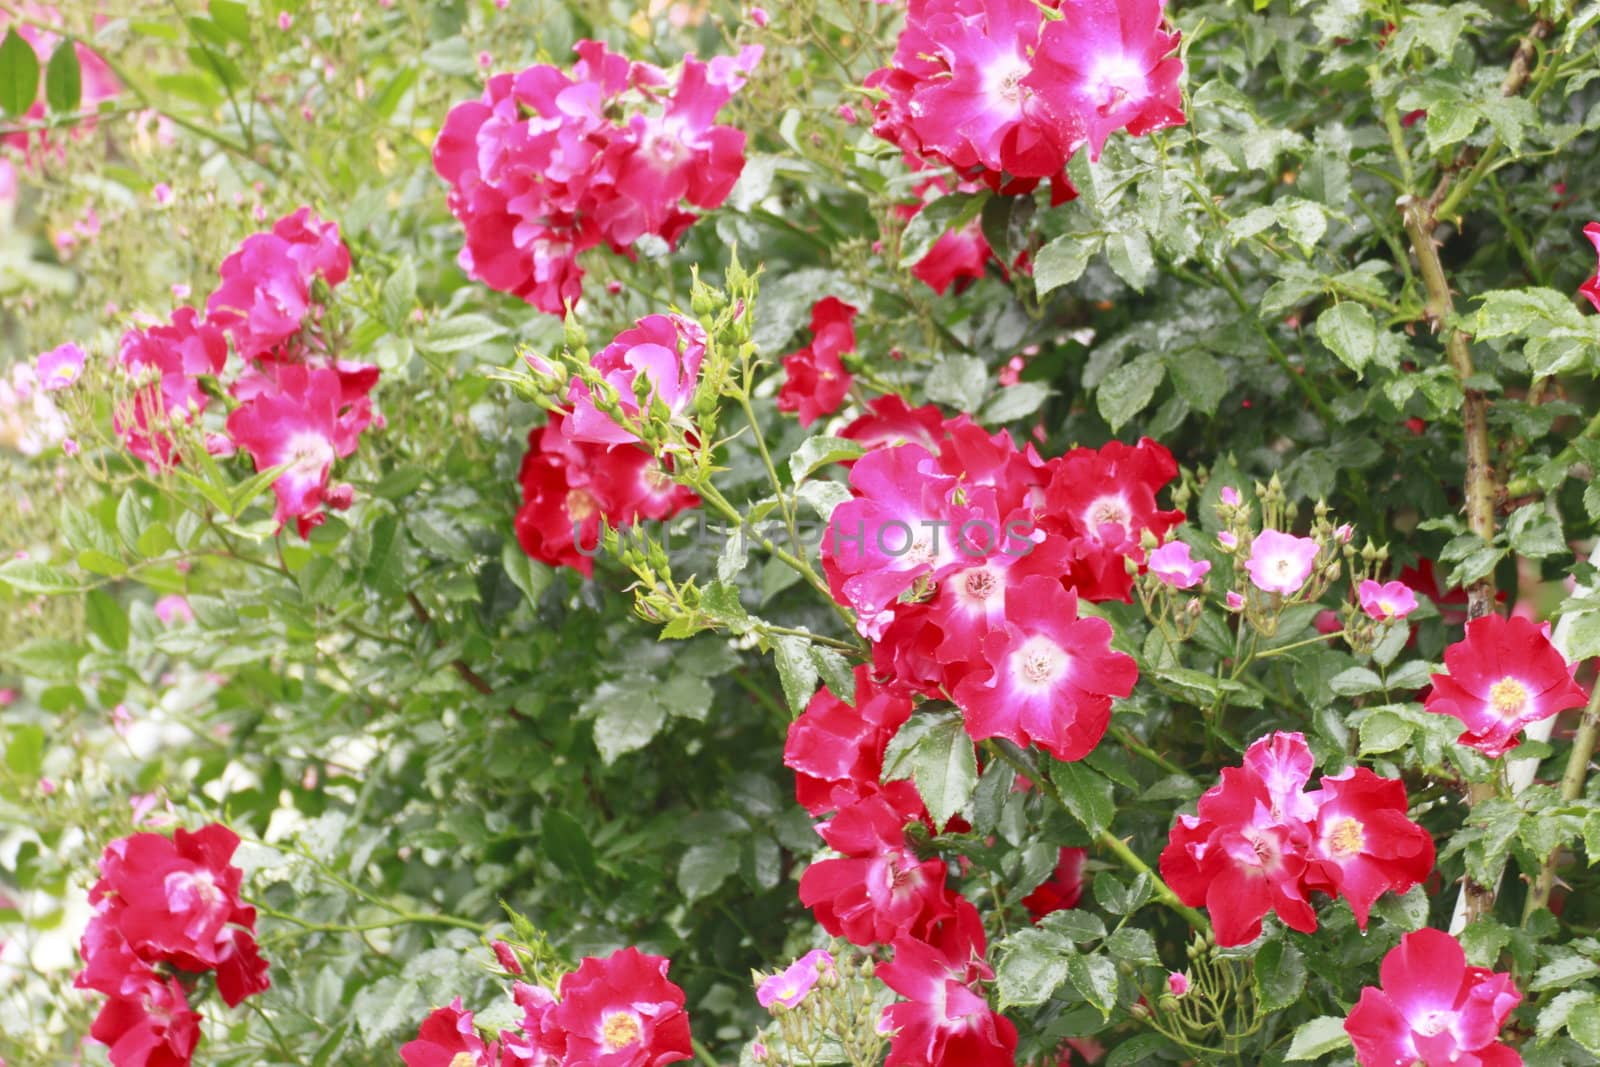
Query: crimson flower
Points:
[1063, 889]
[1362, 843]
[836, 748]
[1433, 1009]
[945, 1019]
[304, 423]
[447, 1038]
[890, 421]
[1109, 66]
[148, 1024]
[1244, 853]
[569, 488]
[180, 353]
[815, 381]
[621, 1011]
[656, 361]
[1051, 674]
[1504, 675]
[265, 295]
[1591, 288]
[1259, 842]
[878, 890]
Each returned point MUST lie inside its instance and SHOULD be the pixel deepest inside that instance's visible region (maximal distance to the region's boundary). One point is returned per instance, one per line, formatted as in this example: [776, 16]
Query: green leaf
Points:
[19, 74]
[1534, 533]
[1130, 256]
[944, 769]
[48, 658]
[1061, 262]
[959, 381]
[31, 576]
[815, 453]
[1133, 945]
[1561, 973]
[1317, 1038]
[459, 334]
[1128, 390]
[1355, 681]
[1031, 965]
[797, 671]
[1384, 731]
[625, 726]
[1096, 979]
[1200, 377]
[399, 295]
[1280, 973]
[1584, 1025]
[63, 81]
[1075, 925]
[1015, 402]
[232, 18]
[706, 866]
[567, 844]
[25, 751]
[106, 619]
[1086, 793]
[528, 575]
[1350, 333]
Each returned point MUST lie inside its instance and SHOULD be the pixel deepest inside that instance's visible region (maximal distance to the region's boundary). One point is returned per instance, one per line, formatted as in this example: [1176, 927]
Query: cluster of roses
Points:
[1260, 842]
[295, 403]
[1005, 91]
[621, 1011]
[585, 465]
[964, 558]
[166, 910]
[551, 163]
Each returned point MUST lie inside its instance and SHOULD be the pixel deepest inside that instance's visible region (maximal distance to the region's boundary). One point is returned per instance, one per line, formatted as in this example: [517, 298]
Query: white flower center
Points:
[1039, 663]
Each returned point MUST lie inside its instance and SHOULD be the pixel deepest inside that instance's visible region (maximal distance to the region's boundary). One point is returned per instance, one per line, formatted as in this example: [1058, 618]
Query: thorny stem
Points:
[1583, 744]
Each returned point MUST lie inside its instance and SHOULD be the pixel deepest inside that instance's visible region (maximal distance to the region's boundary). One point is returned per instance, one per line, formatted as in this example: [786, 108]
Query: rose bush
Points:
[934, 532]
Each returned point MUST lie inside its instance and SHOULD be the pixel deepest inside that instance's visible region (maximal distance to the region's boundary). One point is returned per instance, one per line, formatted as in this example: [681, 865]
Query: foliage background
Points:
[422, 722]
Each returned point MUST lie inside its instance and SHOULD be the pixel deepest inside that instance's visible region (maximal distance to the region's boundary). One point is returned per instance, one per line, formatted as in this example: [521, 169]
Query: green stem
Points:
[1281, 649]
[785, 504]
[1106, 839]
[402, 918]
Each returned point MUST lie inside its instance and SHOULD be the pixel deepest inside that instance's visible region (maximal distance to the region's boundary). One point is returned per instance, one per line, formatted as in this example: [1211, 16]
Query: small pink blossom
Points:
[1280, 562]
[8, 697]
[285, 20]
[121, 718]
[1388, 601]
[1344, 532]
[485, 60]
[1173, 565]
[180, 291]
[1235, 601]
[848, 113]
[758, 16]
[59, 367]
[173, 608]
[69, 446]
[1177, 983]
[1227, 540]
[1230, 496]
[789, 987]
[162, 193]
[46, 786]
